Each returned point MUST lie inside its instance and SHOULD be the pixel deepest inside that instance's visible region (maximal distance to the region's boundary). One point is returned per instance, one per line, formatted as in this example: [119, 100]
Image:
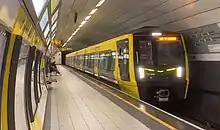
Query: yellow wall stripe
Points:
[37, 124]
[4, 106]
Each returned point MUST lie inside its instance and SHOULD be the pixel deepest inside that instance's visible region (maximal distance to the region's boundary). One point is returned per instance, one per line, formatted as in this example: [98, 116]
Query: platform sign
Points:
[214, 48]
[38, 6]
[44, 20]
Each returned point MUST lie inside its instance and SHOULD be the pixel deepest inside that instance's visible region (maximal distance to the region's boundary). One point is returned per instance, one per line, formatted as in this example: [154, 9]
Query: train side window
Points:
[74, 60]
[112, 61]
[20, 91]
[92, 60]
[77, 60]
[102, 61]
[89, 61]
[82, 60]
[107, 61]
[86, 60]
[145, 52]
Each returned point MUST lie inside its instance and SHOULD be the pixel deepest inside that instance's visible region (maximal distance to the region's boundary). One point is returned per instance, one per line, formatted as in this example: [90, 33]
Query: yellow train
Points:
[148, 63]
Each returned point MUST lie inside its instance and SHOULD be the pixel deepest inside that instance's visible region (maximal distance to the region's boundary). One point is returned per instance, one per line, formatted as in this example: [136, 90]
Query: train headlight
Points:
[179, 72]
[141, 73]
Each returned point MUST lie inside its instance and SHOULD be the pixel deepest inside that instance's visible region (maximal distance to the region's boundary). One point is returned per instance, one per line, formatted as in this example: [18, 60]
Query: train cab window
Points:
[145, 52]
[169, 53]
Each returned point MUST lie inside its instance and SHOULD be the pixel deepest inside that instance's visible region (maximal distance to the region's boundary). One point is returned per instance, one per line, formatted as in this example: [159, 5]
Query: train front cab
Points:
[161, 67]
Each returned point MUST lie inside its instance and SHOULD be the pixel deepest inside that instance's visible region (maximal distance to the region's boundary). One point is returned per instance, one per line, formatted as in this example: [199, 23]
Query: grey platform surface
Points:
[74, 105]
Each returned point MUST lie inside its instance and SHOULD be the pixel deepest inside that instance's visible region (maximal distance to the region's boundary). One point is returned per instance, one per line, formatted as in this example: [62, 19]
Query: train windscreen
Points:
[159, 52]
[169, 53]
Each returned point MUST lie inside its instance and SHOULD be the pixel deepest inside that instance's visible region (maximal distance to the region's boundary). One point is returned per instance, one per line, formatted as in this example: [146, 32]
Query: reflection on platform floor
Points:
[74, 105]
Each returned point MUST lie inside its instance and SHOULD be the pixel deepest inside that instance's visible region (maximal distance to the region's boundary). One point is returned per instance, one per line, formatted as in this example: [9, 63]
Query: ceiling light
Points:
[100, 3]
[156, 34]
[80, 26]
[69, 38]
[64, 44]
[83, 22]
[73, 34]
[93, 11]
[88, 17]
[77, 29]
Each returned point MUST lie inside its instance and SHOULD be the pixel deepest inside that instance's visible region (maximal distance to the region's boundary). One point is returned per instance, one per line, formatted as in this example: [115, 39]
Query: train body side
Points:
[116, 61]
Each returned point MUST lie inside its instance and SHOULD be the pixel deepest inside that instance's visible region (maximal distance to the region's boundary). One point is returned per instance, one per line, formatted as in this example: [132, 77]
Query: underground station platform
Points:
[77, 101]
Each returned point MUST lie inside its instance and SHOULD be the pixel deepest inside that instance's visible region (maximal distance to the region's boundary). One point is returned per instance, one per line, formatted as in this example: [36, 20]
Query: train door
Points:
[123, 59]
[126, 78]
[96, 62]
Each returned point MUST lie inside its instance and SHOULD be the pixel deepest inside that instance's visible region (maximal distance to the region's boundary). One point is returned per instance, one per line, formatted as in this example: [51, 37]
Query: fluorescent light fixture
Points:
[93, 11]
[141, 72]
[100, 3]
[83, 22]
[69, 38]
[88, 17]
[77, 29]
[64, 44]
[156, 34]
[80, 25]
[179, 72]
[74, 34]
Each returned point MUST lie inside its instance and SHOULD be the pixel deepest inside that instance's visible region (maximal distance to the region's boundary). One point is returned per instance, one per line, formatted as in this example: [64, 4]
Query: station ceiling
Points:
[116, 17]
